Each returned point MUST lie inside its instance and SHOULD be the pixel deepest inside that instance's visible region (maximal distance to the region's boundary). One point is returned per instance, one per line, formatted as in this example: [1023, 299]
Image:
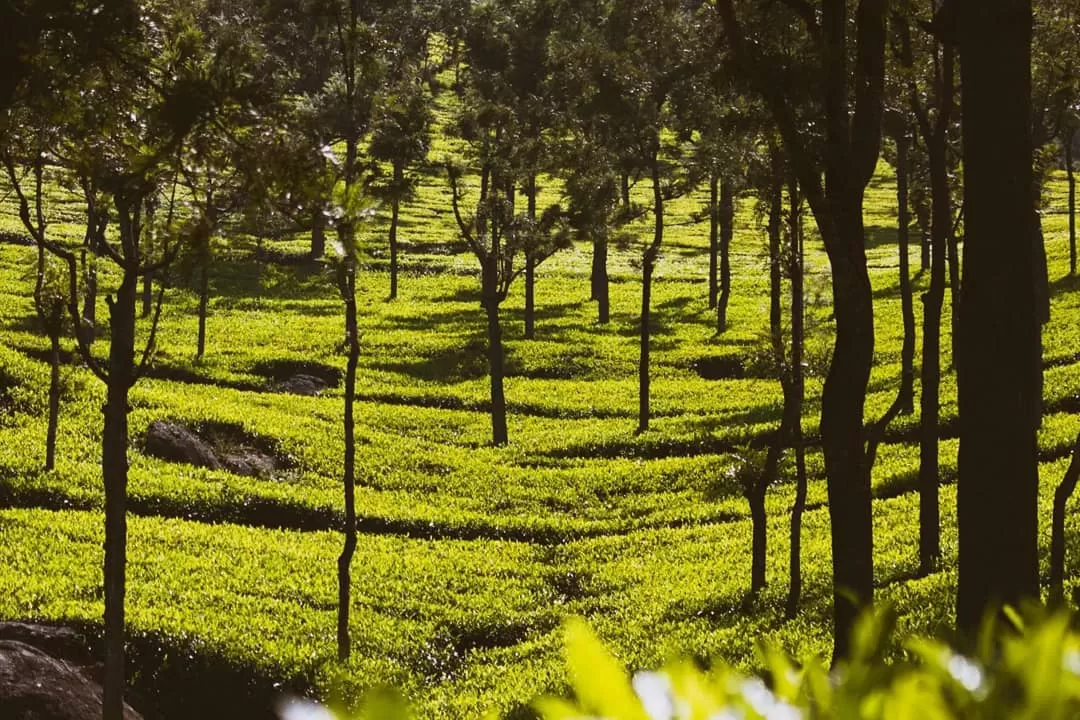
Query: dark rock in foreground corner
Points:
[37, 686]
[303, 384]
[175, 443]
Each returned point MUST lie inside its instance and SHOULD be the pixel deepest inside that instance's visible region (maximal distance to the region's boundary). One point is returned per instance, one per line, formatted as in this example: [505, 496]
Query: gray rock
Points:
[303, 384]
[37, 686]
[175, 443]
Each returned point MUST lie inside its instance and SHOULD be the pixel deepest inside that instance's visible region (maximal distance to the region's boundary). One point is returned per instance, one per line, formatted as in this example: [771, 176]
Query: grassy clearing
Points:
[471, 554]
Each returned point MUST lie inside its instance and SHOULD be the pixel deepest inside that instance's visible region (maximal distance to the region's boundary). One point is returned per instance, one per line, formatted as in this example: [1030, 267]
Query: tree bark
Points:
[1057, 531]
[347, 287]
[318, 234]
[727, 231]
[114, 467]
[54, 390]
[714, 239]
[798, 392]
[648, 264]
[1072, 200]
[999, 364]
[499, 434]
[929, 471]
[395, 208]
[530, 265]
[204, 304]
[907, 303]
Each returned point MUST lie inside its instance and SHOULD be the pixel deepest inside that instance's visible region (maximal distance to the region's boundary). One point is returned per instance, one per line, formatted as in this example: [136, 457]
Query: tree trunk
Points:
[714, 239]
[147, 295]
[907, 353]
[929, 472]
[797, 395]
[758, 487]
[530, 265]
[530, 298]
[1072, 200]
[114, 468]
[395, 208]
[624, 188]
[1057, 531]
[89, 312]
[842, 404]
[1000, 342]
[955, 287]
[347, 287]
[318, 234]
[601, 285]
[647, 266]
[499, 434]
[54, 391]
[727, 231]
[204, 304]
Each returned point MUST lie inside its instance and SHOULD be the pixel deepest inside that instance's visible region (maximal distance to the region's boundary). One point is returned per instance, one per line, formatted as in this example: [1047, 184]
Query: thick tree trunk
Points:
[395, 208]
[1072, 201]
[797, 394]
[842, 405]
[727, 231]
[1057, 531]
[114, 466]
[907, 303]
[318, 234]
[714, 239]
[347, 287]
[1000, 334]
[499, 434]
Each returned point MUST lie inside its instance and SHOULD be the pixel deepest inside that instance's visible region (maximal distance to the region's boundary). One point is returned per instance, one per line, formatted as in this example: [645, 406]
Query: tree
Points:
[933, 115]
[1000, 369]
[401, 136]
[849, 129]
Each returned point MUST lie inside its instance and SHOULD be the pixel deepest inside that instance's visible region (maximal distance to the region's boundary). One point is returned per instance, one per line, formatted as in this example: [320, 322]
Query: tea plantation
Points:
[470, 556]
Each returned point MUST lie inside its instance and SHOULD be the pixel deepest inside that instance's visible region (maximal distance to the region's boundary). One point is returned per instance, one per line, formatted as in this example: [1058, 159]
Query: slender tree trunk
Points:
[347, 286]
[647, 266]
[204, 304]
[797, 394]
[54, 391]
[1057, 532]
[907, 303]
[956, 289]
[114, 466]
[318, 234]
[624, 188]
[1072, 200]
[727, 231]
[530, 298]
[530, 265]
[922, 213]
[89, 312]
[714, 239]
[1000, 372]
[929, 471]
[601, 284]
[759, 486]
[395, 207]
[499, 434]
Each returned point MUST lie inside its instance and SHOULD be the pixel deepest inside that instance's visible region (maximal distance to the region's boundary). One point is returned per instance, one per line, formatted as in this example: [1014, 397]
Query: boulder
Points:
[175, 443]
[37, 686]
[250, 462]
[303, 384]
